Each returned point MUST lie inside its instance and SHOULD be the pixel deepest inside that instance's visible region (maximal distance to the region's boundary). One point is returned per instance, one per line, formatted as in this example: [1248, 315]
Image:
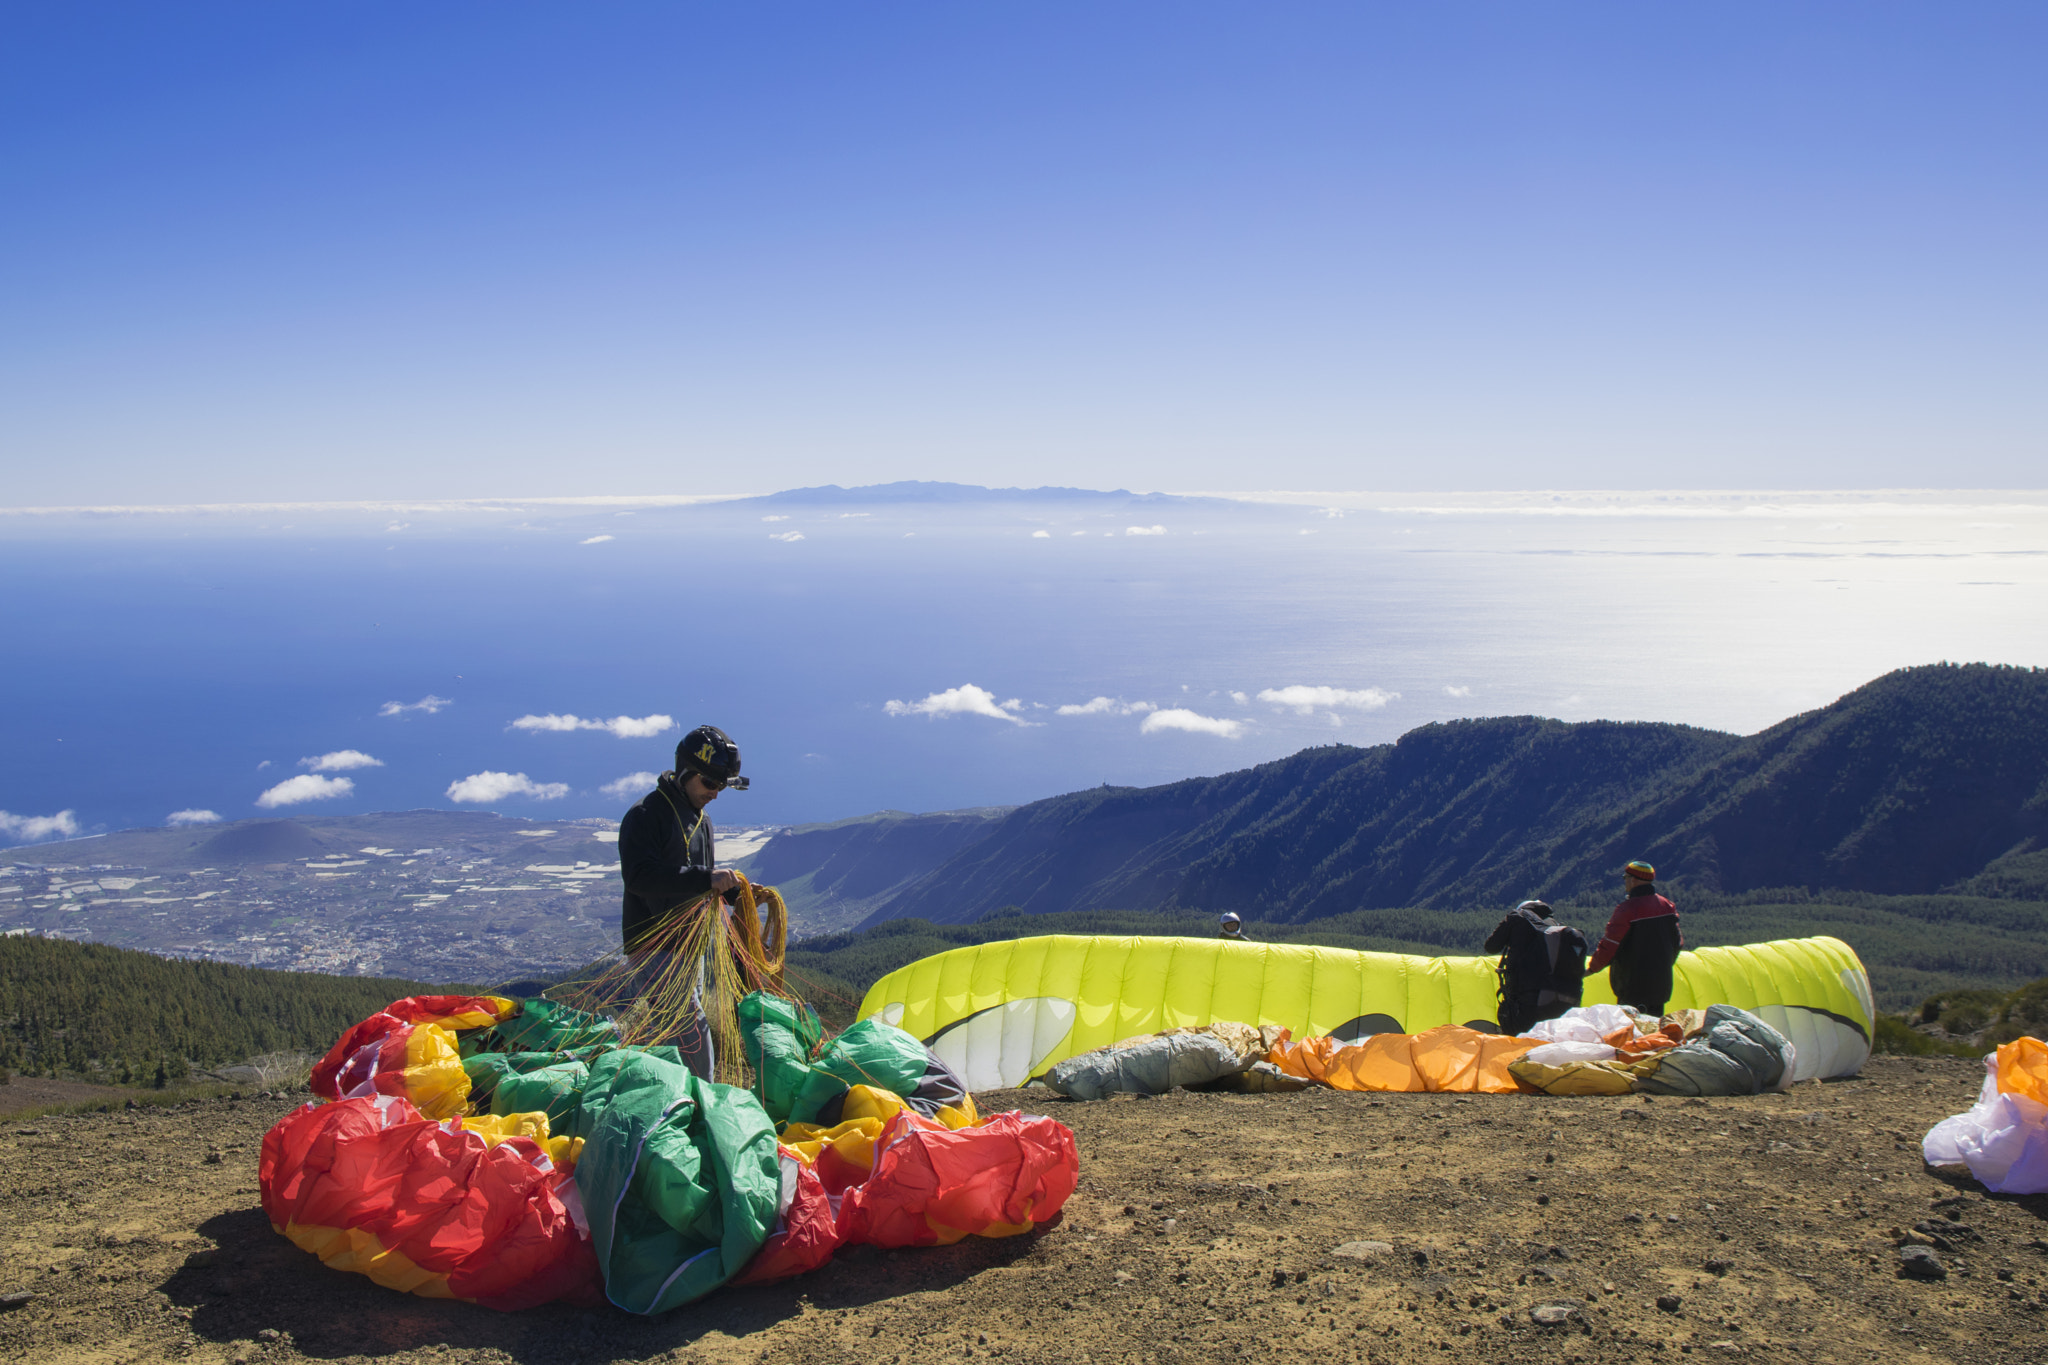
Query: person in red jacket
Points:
[1641, 943]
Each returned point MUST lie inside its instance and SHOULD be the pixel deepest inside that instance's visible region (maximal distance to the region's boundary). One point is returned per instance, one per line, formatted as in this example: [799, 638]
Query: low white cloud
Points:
[1457, 691]
[305, 787]
[1041, 535]
[596, 540]
[1305, 701]
[632, 784]
[395, 527]
[1106, 706]
[1240, 698]
[1180, 718]
[1144, 530]
[29, 829]
[429, 704]
[490, 786]
[341, 761]
[789, 536]
[1082, 533]
[261, 766]
[776, 518]
[177, 819]
[625, 727]
[964, 700]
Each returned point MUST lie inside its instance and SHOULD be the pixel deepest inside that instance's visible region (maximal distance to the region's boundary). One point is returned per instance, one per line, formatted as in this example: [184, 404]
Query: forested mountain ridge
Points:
[114, 1013]
[1917, 781]
[833, 875]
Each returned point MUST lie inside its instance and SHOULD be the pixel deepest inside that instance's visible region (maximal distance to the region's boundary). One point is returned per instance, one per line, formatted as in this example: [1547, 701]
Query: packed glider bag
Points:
[999, 1014]
[514, 1153]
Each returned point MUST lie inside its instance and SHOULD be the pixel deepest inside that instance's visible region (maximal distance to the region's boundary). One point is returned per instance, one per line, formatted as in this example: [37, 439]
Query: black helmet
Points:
[707, 752]
[1536, 907]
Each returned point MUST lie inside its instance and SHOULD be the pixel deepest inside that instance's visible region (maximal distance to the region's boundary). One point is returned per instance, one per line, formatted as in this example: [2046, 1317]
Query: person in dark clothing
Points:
[1542, 965]
[1231, 927]
[1641, 943]
[668, 861]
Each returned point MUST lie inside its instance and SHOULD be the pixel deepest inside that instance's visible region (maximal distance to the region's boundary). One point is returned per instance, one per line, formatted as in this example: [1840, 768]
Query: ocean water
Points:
[194, 660]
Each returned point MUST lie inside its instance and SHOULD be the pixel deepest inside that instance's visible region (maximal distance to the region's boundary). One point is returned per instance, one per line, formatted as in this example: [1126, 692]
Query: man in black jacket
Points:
[1542, 964]
[1642, 943]
[668, 862]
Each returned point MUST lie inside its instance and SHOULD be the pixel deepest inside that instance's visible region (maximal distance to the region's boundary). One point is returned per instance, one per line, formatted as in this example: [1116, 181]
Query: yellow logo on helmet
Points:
[704, 754]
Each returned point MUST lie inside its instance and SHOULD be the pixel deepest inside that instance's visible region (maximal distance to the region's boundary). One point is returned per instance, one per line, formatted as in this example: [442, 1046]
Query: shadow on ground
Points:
[256, 1281]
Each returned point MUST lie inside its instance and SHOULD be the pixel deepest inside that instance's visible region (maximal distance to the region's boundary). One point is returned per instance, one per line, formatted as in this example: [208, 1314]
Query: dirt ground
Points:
[33, 1092]
[1206, 1227]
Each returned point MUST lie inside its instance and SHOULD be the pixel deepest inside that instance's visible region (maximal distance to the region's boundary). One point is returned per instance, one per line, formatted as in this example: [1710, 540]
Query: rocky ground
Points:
[1207, 1227]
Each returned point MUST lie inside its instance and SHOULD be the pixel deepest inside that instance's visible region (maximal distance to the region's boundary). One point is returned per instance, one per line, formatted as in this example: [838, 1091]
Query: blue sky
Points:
[260, 251]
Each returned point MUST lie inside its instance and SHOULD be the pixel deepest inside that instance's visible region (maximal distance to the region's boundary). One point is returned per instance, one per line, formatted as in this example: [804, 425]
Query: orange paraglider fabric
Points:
[370, 1185]
[2023, 1069]
[1446, 1059]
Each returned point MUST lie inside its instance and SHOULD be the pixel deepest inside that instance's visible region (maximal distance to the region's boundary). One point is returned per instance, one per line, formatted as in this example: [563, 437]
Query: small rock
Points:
[10, 1302]
[1554, 1314]
[1543, 1199]
[1919, 1263]
[1364, 1251]
[1559, 1254]
[1123, 1277]
[1168, 1224]
[1668, 1302]
[27, 1132]
[1944, 1229]
[1720, 1267]
[269, 1334]
[1632, 1218]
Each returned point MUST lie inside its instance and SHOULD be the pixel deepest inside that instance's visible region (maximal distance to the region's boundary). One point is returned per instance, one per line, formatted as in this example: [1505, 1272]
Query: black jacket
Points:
[1538, 954]
[666, 855]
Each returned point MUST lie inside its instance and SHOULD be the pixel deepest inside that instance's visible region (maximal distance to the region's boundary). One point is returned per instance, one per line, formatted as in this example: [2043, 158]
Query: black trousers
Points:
[1522, 1012]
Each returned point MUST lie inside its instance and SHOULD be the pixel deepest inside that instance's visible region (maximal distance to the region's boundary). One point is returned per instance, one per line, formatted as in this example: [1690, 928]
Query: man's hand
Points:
[722, 882]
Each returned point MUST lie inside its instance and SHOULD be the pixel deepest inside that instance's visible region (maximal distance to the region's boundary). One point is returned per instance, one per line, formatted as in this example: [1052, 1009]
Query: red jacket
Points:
[1643, 904]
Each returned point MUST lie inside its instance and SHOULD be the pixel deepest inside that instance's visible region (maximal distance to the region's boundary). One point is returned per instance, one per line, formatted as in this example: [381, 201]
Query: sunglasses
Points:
[738, 784]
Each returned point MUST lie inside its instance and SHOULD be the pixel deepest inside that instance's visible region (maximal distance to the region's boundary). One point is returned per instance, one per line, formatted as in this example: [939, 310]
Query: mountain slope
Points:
[834, 875]
[1918, 780]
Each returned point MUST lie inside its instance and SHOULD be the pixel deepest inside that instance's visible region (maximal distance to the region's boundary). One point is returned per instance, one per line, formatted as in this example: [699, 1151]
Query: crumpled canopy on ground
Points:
[572, 1167]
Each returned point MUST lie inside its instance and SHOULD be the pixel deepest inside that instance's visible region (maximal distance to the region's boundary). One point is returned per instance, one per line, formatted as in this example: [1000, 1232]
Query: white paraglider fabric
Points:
[1585, 1024]
[2003, 1139]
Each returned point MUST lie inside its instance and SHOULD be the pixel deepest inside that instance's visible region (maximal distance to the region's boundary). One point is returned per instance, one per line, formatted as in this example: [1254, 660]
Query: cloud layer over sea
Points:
[925, 652]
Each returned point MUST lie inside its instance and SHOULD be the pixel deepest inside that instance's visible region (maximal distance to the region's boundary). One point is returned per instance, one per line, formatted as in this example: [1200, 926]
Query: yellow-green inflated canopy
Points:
[1000, 1013]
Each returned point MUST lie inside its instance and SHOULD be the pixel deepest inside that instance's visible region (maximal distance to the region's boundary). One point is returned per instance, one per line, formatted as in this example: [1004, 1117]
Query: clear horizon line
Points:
[1303, 496]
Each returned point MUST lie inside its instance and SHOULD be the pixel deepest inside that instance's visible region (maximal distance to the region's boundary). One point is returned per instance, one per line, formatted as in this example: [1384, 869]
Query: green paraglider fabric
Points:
[870, 1053]
[544, 1025]
[556, 1089]
[780, 1037]
[679, 1177]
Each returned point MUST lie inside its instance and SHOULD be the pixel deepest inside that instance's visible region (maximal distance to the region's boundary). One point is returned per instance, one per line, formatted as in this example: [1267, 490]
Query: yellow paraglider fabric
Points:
[1000, 1013]
[495, 1128]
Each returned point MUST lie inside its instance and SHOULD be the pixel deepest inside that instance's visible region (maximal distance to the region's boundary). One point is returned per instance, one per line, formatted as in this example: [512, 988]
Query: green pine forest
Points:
[118, 1016]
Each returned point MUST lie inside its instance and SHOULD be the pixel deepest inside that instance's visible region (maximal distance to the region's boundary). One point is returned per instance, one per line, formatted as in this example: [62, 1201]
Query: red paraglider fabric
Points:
[369, 1185]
